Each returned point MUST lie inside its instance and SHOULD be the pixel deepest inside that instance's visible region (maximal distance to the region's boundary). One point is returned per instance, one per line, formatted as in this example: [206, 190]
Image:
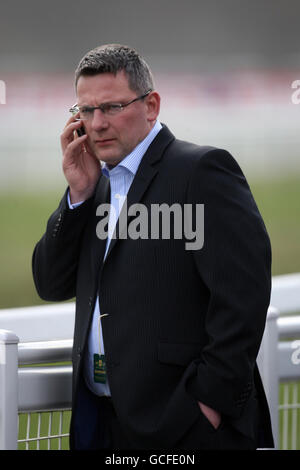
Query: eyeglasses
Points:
[110, 109]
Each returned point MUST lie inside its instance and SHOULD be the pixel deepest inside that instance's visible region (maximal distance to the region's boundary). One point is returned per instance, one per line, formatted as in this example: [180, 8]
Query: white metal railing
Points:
[43, 334]
[41, 352]
[35, 335]
[267, 363]
[8, 389]
[286, 297]
[41, 322]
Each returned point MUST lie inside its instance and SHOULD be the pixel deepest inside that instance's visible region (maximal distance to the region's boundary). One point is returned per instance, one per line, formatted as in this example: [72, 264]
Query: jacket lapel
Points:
[102, 196]
[147, 170]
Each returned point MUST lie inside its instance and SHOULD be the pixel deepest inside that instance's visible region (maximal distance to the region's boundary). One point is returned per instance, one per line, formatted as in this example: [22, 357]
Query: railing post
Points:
[8, 390]
[268, 367]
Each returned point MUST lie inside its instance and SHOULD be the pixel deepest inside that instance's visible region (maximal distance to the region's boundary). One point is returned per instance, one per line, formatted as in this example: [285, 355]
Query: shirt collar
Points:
[132, 161]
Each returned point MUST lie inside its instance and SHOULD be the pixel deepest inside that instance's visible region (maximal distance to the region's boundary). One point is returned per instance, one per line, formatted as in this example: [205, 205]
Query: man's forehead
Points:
[107, 83]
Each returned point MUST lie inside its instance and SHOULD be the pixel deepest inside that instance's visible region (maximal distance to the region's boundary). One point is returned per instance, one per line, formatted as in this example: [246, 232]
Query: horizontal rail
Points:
[44, 388]
[43, 438]
[285, 293]
[289, 360]
[41, 352]
[289, 326]
[40, 322]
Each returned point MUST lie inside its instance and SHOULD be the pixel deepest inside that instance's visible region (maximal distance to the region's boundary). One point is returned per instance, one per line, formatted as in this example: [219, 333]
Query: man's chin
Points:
[111, 156]
[110, 160]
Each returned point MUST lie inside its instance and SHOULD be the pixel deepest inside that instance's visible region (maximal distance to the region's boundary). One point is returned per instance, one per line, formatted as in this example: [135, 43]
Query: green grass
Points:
[24, 217]
[46, 427]
[23, 222]
[289, 418]
[279, 204]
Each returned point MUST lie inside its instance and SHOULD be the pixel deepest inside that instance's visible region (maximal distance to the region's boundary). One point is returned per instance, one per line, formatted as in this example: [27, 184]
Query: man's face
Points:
[111, 138]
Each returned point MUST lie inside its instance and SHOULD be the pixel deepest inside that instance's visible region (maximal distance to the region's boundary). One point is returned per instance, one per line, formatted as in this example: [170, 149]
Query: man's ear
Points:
[153, 105]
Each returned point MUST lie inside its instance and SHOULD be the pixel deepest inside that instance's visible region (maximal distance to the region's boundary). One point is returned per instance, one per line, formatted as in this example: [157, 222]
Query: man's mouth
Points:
[103, 141]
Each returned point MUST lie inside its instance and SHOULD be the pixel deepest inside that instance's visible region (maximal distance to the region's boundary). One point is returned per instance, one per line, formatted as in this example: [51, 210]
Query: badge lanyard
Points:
[99, 360]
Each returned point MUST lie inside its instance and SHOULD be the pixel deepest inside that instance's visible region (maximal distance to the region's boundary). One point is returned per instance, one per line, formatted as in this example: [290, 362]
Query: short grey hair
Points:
[113, 58]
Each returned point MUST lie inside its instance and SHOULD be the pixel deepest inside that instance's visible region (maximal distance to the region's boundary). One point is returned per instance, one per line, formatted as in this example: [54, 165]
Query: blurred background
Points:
[224, 69]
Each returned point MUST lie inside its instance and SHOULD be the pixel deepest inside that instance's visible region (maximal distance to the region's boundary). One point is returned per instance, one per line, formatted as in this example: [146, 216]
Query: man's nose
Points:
[99, 120]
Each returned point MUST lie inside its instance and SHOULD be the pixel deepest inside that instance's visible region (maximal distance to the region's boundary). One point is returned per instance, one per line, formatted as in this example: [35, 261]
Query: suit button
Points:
[90, 301]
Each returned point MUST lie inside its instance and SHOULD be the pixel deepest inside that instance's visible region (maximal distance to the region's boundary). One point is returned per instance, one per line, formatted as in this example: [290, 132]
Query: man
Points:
[166, 337]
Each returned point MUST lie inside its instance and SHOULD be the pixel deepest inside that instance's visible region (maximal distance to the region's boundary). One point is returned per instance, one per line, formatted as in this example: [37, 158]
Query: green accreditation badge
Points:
[99, 369]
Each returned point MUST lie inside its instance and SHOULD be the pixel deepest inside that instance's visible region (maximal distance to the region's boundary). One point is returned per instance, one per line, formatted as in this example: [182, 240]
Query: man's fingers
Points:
[71, 126]
[68, 133]
[89, 151]
[73, 150]
[76, 142]
[72, 119]
[213, 416]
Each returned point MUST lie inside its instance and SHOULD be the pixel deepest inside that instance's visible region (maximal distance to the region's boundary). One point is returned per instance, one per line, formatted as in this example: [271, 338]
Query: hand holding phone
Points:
[81, 167]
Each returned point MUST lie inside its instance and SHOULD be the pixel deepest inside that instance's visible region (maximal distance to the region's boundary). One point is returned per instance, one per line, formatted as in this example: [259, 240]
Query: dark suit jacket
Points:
[183, 325]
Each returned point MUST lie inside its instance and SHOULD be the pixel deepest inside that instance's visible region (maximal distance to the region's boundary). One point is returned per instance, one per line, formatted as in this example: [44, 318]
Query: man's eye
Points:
[86, 110]
[112, 107]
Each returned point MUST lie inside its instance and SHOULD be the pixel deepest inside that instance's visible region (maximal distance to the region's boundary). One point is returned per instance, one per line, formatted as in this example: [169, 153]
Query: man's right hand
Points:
[81, 168]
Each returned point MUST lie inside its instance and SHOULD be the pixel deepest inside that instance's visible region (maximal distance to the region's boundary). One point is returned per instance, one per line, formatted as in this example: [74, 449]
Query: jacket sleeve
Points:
[235, 265]
[55, 257]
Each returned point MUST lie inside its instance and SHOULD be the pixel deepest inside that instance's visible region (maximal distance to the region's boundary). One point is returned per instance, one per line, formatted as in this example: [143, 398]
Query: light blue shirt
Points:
[121, 177]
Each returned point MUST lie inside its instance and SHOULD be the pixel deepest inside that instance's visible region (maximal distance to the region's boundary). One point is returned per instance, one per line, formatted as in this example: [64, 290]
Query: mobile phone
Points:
[80, 131]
